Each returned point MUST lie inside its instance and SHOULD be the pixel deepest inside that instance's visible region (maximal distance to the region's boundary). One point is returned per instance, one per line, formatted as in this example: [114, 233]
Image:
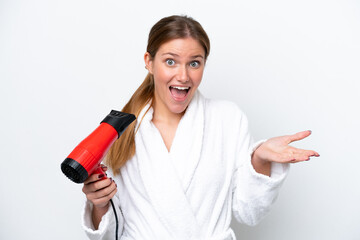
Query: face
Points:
[177, 68]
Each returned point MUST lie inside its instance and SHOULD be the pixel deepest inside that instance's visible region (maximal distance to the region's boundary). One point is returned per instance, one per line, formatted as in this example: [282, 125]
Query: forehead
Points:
[182, 47]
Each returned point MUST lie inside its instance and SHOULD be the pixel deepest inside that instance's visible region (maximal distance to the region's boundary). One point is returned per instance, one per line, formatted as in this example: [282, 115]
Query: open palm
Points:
[277, 149]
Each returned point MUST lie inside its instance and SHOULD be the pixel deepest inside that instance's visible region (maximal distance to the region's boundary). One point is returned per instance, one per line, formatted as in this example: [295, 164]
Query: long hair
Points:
[168, 28]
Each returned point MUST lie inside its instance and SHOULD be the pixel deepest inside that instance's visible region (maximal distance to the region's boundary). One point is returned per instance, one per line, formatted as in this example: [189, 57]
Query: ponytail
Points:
[124, 148]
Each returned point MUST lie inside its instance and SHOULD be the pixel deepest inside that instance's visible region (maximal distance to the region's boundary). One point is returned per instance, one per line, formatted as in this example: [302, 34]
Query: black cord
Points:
[116, 219]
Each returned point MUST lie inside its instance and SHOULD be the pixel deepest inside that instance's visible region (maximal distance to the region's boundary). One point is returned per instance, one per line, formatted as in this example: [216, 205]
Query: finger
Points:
[104, 167]
[93, 178]
[300, 155]
[102, 192]
[97, 185]
[103, 201]
[304, 152]
[315, 154]
[299, 136]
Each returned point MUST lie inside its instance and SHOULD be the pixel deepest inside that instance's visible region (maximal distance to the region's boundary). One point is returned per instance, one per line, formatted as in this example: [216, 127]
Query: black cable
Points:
[116, 220]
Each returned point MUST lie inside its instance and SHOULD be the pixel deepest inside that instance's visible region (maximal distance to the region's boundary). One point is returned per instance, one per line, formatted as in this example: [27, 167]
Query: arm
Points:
[277, 149]
[99, 192]
[260, 171]
[98, 219]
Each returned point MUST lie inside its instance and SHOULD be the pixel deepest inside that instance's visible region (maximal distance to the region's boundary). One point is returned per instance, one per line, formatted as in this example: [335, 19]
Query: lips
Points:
[179, 93]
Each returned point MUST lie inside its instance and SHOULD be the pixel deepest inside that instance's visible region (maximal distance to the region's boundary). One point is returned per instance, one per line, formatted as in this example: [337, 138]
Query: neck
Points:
[166, 122]
[163, 115]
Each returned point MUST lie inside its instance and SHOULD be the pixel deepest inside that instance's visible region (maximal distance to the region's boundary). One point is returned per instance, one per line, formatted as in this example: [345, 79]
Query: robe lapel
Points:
[165, 185]
[187, 145]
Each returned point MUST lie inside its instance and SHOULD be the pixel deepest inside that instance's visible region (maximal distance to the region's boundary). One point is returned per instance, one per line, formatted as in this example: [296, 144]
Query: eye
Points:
[195, 64]
[170, 62]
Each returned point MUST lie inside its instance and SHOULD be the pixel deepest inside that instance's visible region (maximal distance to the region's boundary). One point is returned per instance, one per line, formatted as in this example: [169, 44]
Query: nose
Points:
[182, 74]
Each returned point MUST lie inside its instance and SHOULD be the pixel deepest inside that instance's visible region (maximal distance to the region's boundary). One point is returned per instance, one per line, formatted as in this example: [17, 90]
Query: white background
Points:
[290, 65]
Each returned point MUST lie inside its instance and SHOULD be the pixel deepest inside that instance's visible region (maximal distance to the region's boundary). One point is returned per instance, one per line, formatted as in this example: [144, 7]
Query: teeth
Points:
[181, 88]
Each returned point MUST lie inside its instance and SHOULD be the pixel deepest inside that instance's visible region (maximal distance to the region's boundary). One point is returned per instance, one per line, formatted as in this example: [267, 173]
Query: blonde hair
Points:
[168, 28]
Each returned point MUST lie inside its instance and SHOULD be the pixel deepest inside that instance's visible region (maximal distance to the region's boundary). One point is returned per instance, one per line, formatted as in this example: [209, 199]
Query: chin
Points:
[178, 109]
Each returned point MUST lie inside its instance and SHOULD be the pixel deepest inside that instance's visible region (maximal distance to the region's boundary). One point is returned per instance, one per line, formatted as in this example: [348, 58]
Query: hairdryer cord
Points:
[116, 220]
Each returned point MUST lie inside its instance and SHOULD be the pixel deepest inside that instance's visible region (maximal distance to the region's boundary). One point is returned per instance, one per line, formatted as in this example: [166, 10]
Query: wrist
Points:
[97, 214]
[256, 159]
[101, 209]
[259, 164]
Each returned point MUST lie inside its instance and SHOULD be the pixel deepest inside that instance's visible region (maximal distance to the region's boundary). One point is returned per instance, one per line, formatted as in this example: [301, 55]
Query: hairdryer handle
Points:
[100, 171]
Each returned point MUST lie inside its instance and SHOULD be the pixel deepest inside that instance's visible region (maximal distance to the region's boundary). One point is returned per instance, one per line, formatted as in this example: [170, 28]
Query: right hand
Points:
[99, 192]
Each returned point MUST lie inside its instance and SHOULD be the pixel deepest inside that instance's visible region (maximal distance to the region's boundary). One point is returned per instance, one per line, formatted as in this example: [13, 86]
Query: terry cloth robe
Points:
[191, 191]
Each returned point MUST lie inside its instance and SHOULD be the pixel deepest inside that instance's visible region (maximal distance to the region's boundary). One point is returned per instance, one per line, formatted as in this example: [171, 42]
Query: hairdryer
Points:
[85, 159]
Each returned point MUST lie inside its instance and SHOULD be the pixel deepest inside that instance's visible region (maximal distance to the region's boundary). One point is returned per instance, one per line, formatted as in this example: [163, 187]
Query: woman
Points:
[189, 162]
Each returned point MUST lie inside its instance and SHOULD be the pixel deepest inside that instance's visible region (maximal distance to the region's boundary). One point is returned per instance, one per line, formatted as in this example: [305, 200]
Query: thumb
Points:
[299, 136]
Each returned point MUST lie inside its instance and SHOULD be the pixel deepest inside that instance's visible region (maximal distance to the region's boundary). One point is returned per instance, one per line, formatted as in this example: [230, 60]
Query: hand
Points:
[99, 192]
[277, 149]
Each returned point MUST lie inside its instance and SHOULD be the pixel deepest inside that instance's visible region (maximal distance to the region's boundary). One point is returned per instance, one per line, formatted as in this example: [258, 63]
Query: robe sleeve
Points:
[107, 226]
[253, 193]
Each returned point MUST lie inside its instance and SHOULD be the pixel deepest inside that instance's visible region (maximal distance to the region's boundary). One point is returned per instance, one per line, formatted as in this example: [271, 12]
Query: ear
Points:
[148, 62]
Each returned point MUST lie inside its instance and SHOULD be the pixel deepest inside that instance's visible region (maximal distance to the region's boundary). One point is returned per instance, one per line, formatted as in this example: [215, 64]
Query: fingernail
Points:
[101, 176]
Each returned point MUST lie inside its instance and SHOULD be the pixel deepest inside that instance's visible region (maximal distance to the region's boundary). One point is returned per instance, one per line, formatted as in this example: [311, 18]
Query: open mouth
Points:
[179, 93]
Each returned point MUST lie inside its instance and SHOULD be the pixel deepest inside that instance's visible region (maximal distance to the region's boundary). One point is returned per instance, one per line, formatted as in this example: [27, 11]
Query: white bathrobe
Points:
[191, 191]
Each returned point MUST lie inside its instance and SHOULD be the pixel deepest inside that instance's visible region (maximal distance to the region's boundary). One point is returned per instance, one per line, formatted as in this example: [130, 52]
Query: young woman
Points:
[188, 162]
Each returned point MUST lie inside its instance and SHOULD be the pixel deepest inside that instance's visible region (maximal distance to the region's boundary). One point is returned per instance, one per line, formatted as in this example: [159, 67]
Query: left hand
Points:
[277, 149]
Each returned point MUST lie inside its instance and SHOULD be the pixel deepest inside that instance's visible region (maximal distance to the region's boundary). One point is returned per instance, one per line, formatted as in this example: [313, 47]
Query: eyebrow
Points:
[175, 55]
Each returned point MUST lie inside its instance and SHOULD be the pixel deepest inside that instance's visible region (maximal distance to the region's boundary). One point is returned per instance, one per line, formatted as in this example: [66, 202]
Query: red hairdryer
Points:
[85, 159]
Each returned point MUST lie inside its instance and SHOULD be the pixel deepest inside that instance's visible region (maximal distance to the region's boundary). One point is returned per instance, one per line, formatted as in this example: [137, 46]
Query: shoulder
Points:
[227, 121]
[225, 113]
[224, 108]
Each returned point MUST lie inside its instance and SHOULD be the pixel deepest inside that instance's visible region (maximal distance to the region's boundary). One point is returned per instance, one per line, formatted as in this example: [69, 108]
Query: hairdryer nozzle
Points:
[74, 170]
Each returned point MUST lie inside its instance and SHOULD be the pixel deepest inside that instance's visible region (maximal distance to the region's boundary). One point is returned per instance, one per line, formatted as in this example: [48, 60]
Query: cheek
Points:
[197, 77]
[162, 76]
[161, 80]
